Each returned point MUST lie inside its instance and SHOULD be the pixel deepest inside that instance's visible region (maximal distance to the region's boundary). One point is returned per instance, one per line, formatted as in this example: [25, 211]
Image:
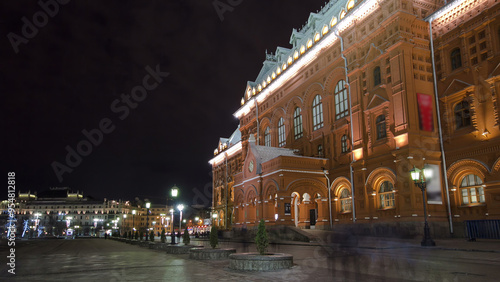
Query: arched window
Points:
[267, 138]
[345, 201]
[386, 193]
[472, 190]
[297, 123]
[462, 114]
[376, 76]
[381, 129]
[343, 144]
[456, 59]
[281, 133]
[341, 107]
[317, 113]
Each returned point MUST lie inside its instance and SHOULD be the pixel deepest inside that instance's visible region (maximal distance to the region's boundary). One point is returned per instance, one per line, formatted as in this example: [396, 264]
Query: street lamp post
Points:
[125, 224]
[418, 177]
[148, 205]
[133, 219]
[180, 208]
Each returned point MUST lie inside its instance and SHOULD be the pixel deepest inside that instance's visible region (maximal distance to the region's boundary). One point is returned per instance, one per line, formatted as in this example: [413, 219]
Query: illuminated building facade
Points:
[225, 165]
[332, 126]
[58, 209]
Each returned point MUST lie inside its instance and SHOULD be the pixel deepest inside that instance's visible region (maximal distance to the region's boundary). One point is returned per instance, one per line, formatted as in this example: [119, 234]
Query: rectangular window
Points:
[465, 197]
[473, 197]
[481, 194]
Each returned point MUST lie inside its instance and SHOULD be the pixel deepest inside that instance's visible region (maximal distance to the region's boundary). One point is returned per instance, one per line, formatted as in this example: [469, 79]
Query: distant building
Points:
[226, 163]
[333, 124]
[57, 209]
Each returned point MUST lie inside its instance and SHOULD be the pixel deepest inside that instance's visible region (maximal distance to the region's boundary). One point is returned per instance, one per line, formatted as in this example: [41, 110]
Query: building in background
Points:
[227, 162]
[333, 124]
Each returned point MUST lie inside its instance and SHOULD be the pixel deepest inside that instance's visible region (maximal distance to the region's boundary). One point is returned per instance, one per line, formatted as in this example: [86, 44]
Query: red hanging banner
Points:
[425, 113]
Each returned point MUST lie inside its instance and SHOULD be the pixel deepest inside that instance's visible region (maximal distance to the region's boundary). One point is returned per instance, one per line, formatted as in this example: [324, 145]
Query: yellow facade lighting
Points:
[342, 14]
[350, 5]
[333, 22]
[316, 37]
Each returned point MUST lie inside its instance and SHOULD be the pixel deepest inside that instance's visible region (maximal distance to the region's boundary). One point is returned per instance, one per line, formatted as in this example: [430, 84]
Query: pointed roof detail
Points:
[376, 101]
[455, 86]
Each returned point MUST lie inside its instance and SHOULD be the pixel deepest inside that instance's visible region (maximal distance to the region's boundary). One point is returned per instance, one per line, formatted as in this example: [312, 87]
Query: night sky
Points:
[72, 72]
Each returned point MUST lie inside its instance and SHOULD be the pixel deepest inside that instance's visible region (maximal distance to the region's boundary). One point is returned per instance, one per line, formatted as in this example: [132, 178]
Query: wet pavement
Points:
[371, 260]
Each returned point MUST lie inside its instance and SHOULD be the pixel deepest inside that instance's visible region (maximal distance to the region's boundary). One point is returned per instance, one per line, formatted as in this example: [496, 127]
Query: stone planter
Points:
[152, 245]
[257, 262]
[179, 249]
[134, 242]
[209, 253]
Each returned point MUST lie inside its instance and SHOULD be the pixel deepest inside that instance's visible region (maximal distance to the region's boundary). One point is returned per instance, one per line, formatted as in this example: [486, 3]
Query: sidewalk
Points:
[322, 237]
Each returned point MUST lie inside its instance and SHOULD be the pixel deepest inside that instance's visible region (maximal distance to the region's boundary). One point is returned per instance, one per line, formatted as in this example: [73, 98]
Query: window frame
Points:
[317, 112]
[281, 133]
[381, 127]
[267, 137]
[472, 190]
[297, 124]
[344, 147]
[386, 195]
[456, 58]
[341, 100]
[462, 114]
[345, 201]
[377, 77]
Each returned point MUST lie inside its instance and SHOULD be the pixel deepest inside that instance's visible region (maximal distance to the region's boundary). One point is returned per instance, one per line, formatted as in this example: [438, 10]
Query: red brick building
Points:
[333, 124]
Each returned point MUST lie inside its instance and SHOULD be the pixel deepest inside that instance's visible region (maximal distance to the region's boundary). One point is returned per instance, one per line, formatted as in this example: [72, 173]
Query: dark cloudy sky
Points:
[64, 79]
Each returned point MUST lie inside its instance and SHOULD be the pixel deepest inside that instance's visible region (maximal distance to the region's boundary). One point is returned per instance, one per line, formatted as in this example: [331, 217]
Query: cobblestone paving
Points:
[106, 260]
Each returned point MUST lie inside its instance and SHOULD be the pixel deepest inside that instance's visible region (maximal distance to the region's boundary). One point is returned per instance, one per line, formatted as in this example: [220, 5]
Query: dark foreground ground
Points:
[107, 260]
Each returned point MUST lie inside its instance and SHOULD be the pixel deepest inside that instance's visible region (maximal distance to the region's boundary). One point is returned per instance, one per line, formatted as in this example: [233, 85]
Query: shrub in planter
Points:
[142, 235]
[151, 236]
[261, 240]
[163, 238]
[214, 239]
[186, 237]
[136, 235]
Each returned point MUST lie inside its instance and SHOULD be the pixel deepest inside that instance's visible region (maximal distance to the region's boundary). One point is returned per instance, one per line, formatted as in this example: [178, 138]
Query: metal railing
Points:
[482, 229]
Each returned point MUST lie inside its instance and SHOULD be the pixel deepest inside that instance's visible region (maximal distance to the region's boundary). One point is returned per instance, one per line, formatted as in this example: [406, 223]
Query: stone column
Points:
[323, 221]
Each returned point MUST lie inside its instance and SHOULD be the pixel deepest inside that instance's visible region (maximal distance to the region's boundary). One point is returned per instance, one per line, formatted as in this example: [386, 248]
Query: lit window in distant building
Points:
[386, 194]
[462, 114]
[381, 129]
[343, 144]
[297, 123]
[376, 76]
[341, 108]
[267, 137]
[472, 190]
[281, 133]
[317, 113]
[345, 201]
[456, 59]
